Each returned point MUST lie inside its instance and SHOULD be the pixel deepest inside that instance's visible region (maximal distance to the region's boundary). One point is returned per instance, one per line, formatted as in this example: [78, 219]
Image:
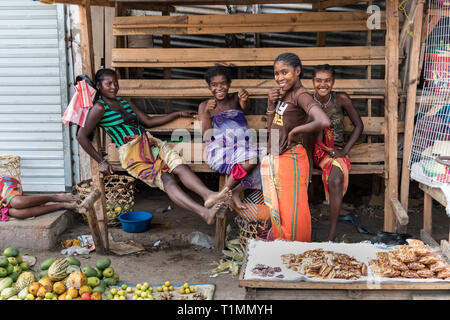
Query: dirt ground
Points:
[176, 260]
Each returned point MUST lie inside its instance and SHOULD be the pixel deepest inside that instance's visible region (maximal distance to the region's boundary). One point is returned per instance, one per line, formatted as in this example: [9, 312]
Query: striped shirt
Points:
[122, 123]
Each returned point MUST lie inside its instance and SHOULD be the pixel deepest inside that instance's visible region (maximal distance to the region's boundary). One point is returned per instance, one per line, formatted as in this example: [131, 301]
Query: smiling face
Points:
[323, 83]
[285, 75]
[109, 86]
[219, 87]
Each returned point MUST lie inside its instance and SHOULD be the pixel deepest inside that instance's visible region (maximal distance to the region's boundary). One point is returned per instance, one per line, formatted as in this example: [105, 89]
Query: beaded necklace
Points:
[323, 105]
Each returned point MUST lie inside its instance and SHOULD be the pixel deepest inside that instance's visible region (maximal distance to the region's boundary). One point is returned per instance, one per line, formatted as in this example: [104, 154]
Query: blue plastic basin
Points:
[135, 221]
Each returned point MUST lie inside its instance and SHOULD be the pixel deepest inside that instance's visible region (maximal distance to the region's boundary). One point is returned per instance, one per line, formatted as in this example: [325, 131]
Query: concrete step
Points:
[38, 233]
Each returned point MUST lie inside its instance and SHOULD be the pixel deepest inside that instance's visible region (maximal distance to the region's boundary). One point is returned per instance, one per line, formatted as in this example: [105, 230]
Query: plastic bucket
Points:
[135, 221]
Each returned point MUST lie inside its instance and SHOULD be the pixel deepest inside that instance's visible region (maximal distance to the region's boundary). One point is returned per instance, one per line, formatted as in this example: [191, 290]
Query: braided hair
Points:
[290, 59]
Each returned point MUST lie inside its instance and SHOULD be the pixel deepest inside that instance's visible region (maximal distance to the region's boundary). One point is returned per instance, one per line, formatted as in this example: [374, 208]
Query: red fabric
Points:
[80, 104]
[237, 172]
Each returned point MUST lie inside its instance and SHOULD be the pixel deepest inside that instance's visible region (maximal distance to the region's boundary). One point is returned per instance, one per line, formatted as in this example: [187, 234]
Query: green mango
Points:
[11, 252]
[4, 262]
[74, 261]
[89, 271]
[47, 263]
[103, 263]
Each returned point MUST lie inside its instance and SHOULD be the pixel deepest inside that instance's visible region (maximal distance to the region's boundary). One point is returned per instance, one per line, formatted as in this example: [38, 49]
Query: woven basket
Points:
[119, 191]
[251, 230]
[10, 166]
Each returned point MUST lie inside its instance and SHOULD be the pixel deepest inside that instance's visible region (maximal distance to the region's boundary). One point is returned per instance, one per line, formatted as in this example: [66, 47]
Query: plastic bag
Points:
[392, 238]
[201, 239]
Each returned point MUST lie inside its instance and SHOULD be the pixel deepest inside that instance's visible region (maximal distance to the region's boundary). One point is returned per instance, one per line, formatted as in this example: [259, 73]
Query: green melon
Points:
[73, 261]
[11, 252]
[47, 263]
[89, 271]
[4, 262]
[103, 263]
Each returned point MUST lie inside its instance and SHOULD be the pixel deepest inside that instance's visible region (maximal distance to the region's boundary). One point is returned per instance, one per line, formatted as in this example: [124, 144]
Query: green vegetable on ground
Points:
[47, 263]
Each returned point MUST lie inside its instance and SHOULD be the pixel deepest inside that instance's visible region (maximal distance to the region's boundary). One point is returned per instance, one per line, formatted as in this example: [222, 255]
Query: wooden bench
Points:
[366, 158]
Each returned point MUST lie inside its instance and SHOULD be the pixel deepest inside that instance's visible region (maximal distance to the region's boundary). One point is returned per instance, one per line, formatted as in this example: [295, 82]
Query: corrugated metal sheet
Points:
[32, 92]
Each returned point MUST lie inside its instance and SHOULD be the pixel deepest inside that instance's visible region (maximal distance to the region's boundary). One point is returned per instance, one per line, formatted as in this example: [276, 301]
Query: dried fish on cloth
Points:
[343, 262]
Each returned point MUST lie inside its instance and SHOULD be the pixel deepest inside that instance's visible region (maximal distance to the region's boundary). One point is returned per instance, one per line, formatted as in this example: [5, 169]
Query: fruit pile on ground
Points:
[14, 274]
[57, 279]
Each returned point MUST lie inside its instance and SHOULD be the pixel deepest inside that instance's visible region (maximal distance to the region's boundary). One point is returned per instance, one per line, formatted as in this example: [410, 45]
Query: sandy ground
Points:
[176, 260]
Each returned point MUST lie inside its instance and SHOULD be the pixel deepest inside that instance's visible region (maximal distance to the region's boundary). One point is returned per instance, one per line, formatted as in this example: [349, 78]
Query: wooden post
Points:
[86, 208]
[321, 36]
[428, 213]
[221, 222]
[168, 108]
[411, 101]
[88, 69]
[391, 112]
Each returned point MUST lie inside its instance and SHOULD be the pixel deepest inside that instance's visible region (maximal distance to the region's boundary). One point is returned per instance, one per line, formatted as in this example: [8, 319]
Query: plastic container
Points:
[136, 221]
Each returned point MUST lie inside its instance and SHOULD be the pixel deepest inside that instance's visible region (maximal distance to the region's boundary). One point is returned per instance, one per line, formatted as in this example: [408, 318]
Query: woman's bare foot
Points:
[64, 197]
[70, 205]
[238, 204]
[217, 197]
[211, 213]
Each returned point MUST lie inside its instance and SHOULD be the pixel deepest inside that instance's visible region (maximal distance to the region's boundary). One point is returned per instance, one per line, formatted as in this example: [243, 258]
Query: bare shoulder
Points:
[202, 105]
[342, 97]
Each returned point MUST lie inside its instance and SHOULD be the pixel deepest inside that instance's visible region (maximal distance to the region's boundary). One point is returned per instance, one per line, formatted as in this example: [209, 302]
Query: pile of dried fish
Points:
[325, 265]
[267, 271]
[414, 260]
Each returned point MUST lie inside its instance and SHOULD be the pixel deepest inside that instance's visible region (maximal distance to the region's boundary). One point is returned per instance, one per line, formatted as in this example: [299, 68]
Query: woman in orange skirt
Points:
[285, 170]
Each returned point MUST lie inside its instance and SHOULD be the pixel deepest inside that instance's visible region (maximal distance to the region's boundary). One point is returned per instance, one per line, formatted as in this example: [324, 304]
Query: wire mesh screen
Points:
[432, 123]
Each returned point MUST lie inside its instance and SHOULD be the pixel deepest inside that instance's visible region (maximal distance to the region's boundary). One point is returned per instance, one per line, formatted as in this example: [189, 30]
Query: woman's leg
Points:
[236, 197]
[177, 195]
[22, 202]
[35, 211]
[234, 184]
[335, 195]
[193, 183]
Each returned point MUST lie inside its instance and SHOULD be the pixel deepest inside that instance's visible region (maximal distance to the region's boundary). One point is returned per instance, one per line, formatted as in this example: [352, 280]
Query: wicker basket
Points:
[119, 191]
[10, 166]
[251, 230]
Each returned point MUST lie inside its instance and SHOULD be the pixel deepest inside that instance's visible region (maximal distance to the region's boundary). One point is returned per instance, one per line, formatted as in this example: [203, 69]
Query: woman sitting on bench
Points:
[143, 156]
[17, 205]
[330, 151]
[229, 147]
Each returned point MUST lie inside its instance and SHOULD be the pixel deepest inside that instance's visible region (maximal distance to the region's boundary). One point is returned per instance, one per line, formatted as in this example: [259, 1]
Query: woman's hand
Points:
[292, 138]
[274, 95]
[187, 113]
[105, 167]
[210, 105]
[337, 153]
[243, 95]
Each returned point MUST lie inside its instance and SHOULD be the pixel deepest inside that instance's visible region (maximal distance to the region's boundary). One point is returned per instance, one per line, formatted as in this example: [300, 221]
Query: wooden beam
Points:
[391, 112]
[206, 57]
[257, 88]
[414, 75]
[338, 3]
[400, 213]
[242, 23]
[102, 3]
[360, 153]
[372, 125]
[435, 193]
[208, 2]
[88, 69]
